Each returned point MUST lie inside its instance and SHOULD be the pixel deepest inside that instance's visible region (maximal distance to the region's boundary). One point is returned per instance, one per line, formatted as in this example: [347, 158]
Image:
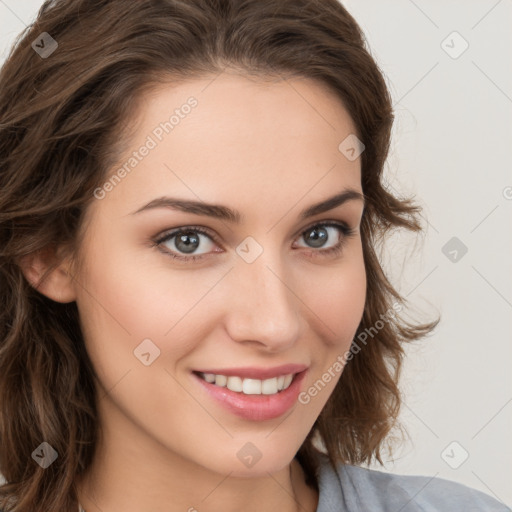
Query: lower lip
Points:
[255, 407]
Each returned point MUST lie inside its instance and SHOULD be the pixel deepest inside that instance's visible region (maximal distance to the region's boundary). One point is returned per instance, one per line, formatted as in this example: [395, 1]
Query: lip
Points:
[254, 407]
[253, 372]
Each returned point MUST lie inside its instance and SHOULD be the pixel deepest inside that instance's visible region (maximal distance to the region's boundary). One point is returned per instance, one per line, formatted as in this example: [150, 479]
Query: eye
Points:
[186, 240]
[334, 232]
[180, 244]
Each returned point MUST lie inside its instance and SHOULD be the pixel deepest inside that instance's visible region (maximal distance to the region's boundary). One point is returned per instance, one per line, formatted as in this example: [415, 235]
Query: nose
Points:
[262, 308]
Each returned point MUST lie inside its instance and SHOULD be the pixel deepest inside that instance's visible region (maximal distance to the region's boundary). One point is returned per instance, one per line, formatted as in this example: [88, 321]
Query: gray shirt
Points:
[357, 489]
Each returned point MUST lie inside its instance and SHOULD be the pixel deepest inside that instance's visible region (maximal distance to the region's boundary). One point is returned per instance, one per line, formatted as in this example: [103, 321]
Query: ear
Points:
[58, 284]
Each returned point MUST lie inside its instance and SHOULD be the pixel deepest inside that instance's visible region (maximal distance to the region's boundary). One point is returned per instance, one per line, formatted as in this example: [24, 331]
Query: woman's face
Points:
[265, 291]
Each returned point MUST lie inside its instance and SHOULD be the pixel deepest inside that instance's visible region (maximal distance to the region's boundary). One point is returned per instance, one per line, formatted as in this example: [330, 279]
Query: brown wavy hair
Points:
[62, 120]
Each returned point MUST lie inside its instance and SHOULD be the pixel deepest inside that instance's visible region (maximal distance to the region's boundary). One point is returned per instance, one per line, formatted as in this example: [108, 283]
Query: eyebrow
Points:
[225, 213]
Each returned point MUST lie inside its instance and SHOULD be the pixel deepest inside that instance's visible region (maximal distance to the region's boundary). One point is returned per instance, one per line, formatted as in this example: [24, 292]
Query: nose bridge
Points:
[264, 309]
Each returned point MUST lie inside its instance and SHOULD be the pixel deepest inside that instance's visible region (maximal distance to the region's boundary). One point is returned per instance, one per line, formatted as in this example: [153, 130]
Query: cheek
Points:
[339, 304]
[337, 295]
[136, 295]
[125, 299]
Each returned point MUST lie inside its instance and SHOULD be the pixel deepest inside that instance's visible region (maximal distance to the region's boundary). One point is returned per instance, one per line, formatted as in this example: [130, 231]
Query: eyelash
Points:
[346, 232]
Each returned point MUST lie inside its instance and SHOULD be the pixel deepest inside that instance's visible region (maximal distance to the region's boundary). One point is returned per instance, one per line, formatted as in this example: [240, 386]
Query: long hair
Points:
[64, 103]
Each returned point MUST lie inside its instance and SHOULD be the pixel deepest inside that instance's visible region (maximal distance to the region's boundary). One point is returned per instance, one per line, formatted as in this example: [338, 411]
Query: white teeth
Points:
[235, 384]
[250, 386]
[221, 380]
[269, 386]
[287, 380]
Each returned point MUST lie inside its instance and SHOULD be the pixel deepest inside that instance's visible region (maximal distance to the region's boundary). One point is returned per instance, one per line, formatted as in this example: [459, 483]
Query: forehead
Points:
[263, 106]
[230, 138]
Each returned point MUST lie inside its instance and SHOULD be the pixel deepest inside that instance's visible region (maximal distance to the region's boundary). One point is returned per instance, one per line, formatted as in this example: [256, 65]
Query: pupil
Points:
[318, 238]
[189, 246]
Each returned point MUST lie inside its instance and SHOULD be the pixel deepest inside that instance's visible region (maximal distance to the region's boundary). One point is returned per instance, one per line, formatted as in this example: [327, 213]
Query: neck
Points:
[286, 490]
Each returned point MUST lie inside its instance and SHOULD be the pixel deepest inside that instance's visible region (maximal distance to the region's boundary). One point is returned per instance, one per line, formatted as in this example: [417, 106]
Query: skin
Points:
[267, 149]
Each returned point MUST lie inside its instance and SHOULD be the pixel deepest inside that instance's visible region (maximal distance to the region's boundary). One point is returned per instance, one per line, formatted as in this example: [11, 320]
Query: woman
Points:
[194, 316]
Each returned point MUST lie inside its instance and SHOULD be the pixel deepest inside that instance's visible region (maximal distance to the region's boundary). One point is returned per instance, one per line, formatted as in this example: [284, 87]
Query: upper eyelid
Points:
[209, 232]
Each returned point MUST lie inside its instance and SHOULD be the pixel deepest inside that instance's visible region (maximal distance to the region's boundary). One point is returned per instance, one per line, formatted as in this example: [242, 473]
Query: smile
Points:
[249, 386]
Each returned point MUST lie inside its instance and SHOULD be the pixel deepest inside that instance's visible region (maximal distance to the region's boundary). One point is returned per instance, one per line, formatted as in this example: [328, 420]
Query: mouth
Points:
[248, 386]
[250, 398]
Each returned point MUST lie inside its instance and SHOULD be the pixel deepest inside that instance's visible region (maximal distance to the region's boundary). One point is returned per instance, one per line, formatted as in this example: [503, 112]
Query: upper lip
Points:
[253, 372]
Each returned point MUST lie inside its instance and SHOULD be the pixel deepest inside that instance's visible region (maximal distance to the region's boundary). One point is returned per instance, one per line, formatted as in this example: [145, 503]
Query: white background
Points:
[451, 150]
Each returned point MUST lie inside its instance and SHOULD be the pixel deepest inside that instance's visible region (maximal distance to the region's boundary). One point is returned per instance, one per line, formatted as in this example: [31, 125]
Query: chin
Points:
[251, 462]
